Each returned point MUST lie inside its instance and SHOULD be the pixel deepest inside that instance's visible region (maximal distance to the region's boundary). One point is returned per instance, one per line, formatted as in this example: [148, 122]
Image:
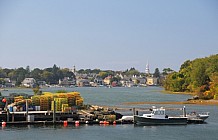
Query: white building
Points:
[29, 82]
[152, 81]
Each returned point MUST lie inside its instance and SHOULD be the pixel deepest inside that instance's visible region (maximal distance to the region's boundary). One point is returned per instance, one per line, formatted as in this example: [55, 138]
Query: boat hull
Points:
[165, 121]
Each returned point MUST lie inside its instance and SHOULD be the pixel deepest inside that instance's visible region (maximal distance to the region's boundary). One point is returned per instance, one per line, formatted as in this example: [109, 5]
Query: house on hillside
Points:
[29, 82]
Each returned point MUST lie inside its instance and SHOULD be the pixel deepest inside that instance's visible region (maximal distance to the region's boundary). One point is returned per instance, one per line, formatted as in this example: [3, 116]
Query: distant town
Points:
[65, 77]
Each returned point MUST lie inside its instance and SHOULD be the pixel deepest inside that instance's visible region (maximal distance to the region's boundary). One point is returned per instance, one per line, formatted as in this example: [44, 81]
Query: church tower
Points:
[147, 70]
[74, 69]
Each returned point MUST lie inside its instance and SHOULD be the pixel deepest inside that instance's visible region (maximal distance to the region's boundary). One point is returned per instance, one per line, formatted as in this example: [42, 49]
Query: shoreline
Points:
[191, 102]
[184, 93]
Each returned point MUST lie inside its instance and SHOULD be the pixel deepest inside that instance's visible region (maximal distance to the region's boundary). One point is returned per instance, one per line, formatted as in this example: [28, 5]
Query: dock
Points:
[77, 123]
[65, 123]
[20, 118]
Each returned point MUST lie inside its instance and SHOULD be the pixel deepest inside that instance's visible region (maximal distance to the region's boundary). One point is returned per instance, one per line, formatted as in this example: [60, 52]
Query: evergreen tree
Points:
[156, 73]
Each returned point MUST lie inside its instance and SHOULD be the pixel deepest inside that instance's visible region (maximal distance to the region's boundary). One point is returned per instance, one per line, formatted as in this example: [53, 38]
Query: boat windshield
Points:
[158, 112]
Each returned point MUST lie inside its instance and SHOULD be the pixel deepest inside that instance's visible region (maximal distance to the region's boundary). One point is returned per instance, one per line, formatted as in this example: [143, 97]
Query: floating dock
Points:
[65, 123]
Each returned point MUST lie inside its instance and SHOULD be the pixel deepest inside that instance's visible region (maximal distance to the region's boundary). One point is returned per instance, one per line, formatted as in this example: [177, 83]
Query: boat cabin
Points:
[156, 113]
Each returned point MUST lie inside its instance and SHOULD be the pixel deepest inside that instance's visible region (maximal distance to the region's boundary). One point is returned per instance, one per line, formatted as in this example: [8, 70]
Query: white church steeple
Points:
[147, 70]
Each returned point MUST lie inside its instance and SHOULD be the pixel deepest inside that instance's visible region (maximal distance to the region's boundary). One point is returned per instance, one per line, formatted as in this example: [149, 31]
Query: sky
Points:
[106, 34]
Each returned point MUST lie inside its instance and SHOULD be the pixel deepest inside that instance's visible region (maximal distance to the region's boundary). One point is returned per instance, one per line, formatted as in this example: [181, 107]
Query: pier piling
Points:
[27, 107]
[133, 114]
[54, 111]
[184, 111]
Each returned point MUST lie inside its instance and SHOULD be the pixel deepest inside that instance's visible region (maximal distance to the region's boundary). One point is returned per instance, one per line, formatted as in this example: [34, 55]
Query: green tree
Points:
[199, 75]
[12, 75]
[96, 71]
[132, 71]
[81, 71]
[103, 74]
[27, 71]
[36, 74]
[2, 81]
[157, 73]
[47, 76]
[20, 74]
[2, 73]
[66, 73]
[167, 71]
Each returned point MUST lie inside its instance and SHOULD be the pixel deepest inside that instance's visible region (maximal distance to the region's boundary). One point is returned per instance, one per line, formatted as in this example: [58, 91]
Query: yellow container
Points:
[63, 107]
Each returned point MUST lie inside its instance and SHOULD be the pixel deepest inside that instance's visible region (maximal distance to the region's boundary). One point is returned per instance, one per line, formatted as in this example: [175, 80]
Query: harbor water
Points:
[118, 97]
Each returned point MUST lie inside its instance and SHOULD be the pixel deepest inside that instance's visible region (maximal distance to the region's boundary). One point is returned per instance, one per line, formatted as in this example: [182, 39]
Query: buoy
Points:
[4, 100]
[65, 123]
[3, 123]
[76, 123]
[101, 122]
[114, 122]
[106, 122]
[87, 122]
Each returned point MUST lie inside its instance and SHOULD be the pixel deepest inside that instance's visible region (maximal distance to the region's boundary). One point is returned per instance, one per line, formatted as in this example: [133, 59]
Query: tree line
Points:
[49, 75]
[199, 76]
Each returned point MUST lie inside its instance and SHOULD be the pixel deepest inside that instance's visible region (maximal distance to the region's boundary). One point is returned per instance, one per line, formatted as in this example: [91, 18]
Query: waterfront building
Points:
[67, 81]
[152, 81]
[129, 84]
[41, 83]
[29, 82]
[83, 83]
[98, 80]
[107, 80]
[8, 83]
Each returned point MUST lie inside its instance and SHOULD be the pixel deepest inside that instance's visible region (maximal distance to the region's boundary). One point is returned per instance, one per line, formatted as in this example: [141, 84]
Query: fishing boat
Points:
[158, 116]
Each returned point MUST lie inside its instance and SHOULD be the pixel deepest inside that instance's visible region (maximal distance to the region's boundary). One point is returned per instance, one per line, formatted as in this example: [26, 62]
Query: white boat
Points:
[194, 117]
[159, 117]
[127, 118]
[204, 115]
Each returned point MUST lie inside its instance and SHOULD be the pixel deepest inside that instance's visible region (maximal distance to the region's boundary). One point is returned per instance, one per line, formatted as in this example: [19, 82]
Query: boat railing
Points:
[205, 113]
